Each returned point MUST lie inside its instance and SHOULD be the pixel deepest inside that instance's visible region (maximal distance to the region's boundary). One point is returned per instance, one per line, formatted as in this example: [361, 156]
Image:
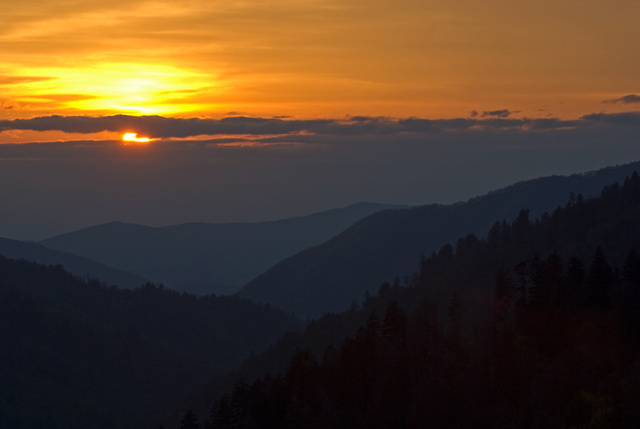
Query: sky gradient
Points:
[258, 110]
[317, 58]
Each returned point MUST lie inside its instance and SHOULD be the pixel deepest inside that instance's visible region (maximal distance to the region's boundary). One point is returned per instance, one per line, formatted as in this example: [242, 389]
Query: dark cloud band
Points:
[503, 113]
[163, 127]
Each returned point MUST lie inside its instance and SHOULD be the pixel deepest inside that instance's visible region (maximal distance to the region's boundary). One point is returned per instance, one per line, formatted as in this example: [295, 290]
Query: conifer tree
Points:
[189, 421]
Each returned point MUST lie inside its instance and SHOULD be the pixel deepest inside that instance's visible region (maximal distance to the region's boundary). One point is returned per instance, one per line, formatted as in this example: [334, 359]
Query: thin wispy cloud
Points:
[502, 113]
[627, 99]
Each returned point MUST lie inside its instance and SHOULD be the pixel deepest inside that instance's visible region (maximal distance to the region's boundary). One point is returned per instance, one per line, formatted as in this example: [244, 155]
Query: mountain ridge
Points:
[328, 277]
[534, 301]
[200, 257]
[77, 265]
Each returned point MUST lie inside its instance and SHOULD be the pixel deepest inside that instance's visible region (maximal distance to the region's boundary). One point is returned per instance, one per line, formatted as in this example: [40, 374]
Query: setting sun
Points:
[133, 138]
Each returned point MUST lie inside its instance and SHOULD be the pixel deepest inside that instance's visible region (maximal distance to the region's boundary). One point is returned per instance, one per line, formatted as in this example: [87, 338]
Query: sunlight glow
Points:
[316, 58]
[129, 138]
[130, 88]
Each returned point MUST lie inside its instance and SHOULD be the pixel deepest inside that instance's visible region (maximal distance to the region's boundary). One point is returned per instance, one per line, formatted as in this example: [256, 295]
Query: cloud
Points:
[11, 80]
[9, 105]
[504, 113]
[274, 128]
[625, 119]
[67, 97]
[627, 99]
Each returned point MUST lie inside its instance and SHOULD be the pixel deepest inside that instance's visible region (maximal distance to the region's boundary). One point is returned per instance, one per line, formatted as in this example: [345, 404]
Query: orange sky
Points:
[310, 59]
[286, 107]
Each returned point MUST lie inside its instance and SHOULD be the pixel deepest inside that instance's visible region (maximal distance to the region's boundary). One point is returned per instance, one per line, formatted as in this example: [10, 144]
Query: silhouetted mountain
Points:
[75, 353]
[330, 276]
[77, 265]
[202, 257]
[541, 328]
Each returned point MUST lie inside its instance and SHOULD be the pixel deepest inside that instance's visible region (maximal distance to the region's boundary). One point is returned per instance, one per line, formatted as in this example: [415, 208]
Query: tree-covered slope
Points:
[77, 265]
[536, 325]
[75, 353]
[330, 276]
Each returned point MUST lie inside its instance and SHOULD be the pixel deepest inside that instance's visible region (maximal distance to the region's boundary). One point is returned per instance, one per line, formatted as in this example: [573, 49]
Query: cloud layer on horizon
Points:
[289, 167]
[164, 127]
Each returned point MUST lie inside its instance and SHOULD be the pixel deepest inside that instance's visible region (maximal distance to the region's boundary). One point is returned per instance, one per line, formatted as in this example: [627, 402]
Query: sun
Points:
[131, 138]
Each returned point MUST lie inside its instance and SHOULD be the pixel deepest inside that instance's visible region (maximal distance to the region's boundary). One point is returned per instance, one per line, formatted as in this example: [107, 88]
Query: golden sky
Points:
[284, 107]
[314, 59]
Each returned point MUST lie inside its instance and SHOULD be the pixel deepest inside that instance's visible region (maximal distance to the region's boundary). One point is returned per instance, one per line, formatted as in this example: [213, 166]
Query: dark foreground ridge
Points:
[75, 353]
[536, 326]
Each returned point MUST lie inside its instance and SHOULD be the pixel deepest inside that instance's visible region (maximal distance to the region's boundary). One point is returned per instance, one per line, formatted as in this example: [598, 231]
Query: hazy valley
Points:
[444, 288]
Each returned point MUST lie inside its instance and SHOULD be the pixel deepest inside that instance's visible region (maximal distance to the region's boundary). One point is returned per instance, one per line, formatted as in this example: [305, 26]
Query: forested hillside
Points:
[538, 325]
[75, 353]
[384, 245]
[77, 265]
